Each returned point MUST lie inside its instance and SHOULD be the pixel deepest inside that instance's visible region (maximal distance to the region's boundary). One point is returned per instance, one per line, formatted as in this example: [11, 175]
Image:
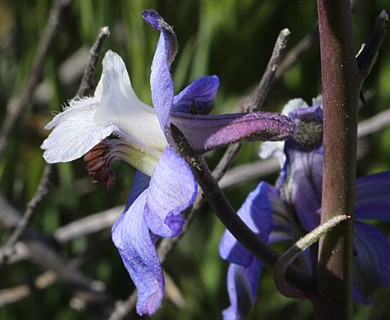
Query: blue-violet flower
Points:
[115, 124]
[291, 208]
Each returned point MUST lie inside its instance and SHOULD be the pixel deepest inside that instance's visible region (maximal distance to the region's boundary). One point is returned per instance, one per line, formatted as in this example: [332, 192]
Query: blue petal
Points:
[172, 189]
[309, 114]
[199, 95]
[281, 218]
[371, 263]
[301, 178]
[160, 79]
[373, 197]
[243, 285]
[303, 184]
[256, 212]
[140, 183]
[131, 236]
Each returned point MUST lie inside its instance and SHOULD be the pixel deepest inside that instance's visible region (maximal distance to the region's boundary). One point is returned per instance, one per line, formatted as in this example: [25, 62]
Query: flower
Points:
[292, 208]
[115, 124]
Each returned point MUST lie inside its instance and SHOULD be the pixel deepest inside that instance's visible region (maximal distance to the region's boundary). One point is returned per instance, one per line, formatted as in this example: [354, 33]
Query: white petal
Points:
[317, 101]
[113, 61]
[75, 132]
[294, 104]
[121, 107]
[273, 149]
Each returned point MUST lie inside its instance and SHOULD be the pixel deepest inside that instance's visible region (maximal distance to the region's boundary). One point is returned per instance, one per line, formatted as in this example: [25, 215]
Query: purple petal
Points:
[140, 184]
[309, 114]
[373, 197]
[172, 189]
[199, 96]
[371, 262]
[243, 284]
[256, 212]
[281, 218]
[131, 236]
[303, 185]
[301, 178]
[160, 79]
[206, 132]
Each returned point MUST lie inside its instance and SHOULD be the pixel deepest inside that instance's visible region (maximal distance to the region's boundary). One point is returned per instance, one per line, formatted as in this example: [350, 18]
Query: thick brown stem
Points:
[341, 86]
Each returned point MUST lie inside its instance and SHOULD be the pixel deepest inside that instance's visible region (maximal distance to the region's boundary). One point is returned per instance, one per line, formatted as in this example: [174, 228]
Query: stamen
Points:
[98, 161]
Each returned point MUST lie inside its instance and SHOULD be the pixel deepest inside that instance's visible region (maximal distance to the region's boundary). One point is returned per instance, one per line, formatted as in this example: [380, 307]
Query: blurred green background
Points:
[232, 39]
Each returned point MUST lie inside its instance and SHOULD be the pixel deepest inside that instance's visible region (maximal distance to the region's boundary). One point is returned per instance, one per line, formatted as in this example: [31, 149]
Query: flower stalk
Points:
[229, 217]
[341, 83]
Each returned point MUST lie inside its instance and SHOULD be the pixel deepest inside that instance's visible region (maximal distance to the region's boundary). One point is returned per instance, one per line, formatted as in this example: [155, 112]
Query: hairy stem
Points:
[228, 216]
[340, 86]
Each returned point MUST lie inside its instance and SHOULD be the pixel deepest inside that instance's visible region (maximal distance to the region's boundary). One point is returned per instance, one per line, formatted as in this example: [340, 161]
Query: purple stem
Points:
[341, 82]
[231, 220]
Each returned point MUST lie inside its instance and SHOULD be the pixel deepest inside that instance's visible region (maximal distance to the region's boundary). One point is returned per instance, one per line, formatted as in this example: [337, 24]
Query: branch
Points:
[87, 225]
[256, 98]
[93, 297]
[43, 187]
[296, 53]
[86, 81]
[42, 190]
[17, 104]
[268, 78]
[45, 256]
[374, 124]
[12, 295]
[368, 54]
[249, 172]
[227, 215]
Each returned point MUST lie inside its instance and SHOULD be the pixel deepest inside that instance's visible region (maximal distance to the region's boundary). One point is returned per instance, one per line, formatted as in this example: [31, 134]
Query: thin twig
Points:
[87, 225]
[46, 279]
[374, 124]
[288, 257]
[296, 53]
[42, 190]
[43, 187]
[86, 82]
[368, 54]
[42, 254]
[268, 78]
[15, 294]
[256, 99]
[74, 230]
[21, 101]
[228, 216]
[123, 308]
[93, 297]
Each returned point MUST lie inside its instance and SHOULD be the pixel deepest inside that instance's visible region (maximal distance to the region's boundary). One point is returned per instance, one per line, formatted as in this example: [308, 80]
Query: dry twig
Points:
[20, 102]
[90, 293]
